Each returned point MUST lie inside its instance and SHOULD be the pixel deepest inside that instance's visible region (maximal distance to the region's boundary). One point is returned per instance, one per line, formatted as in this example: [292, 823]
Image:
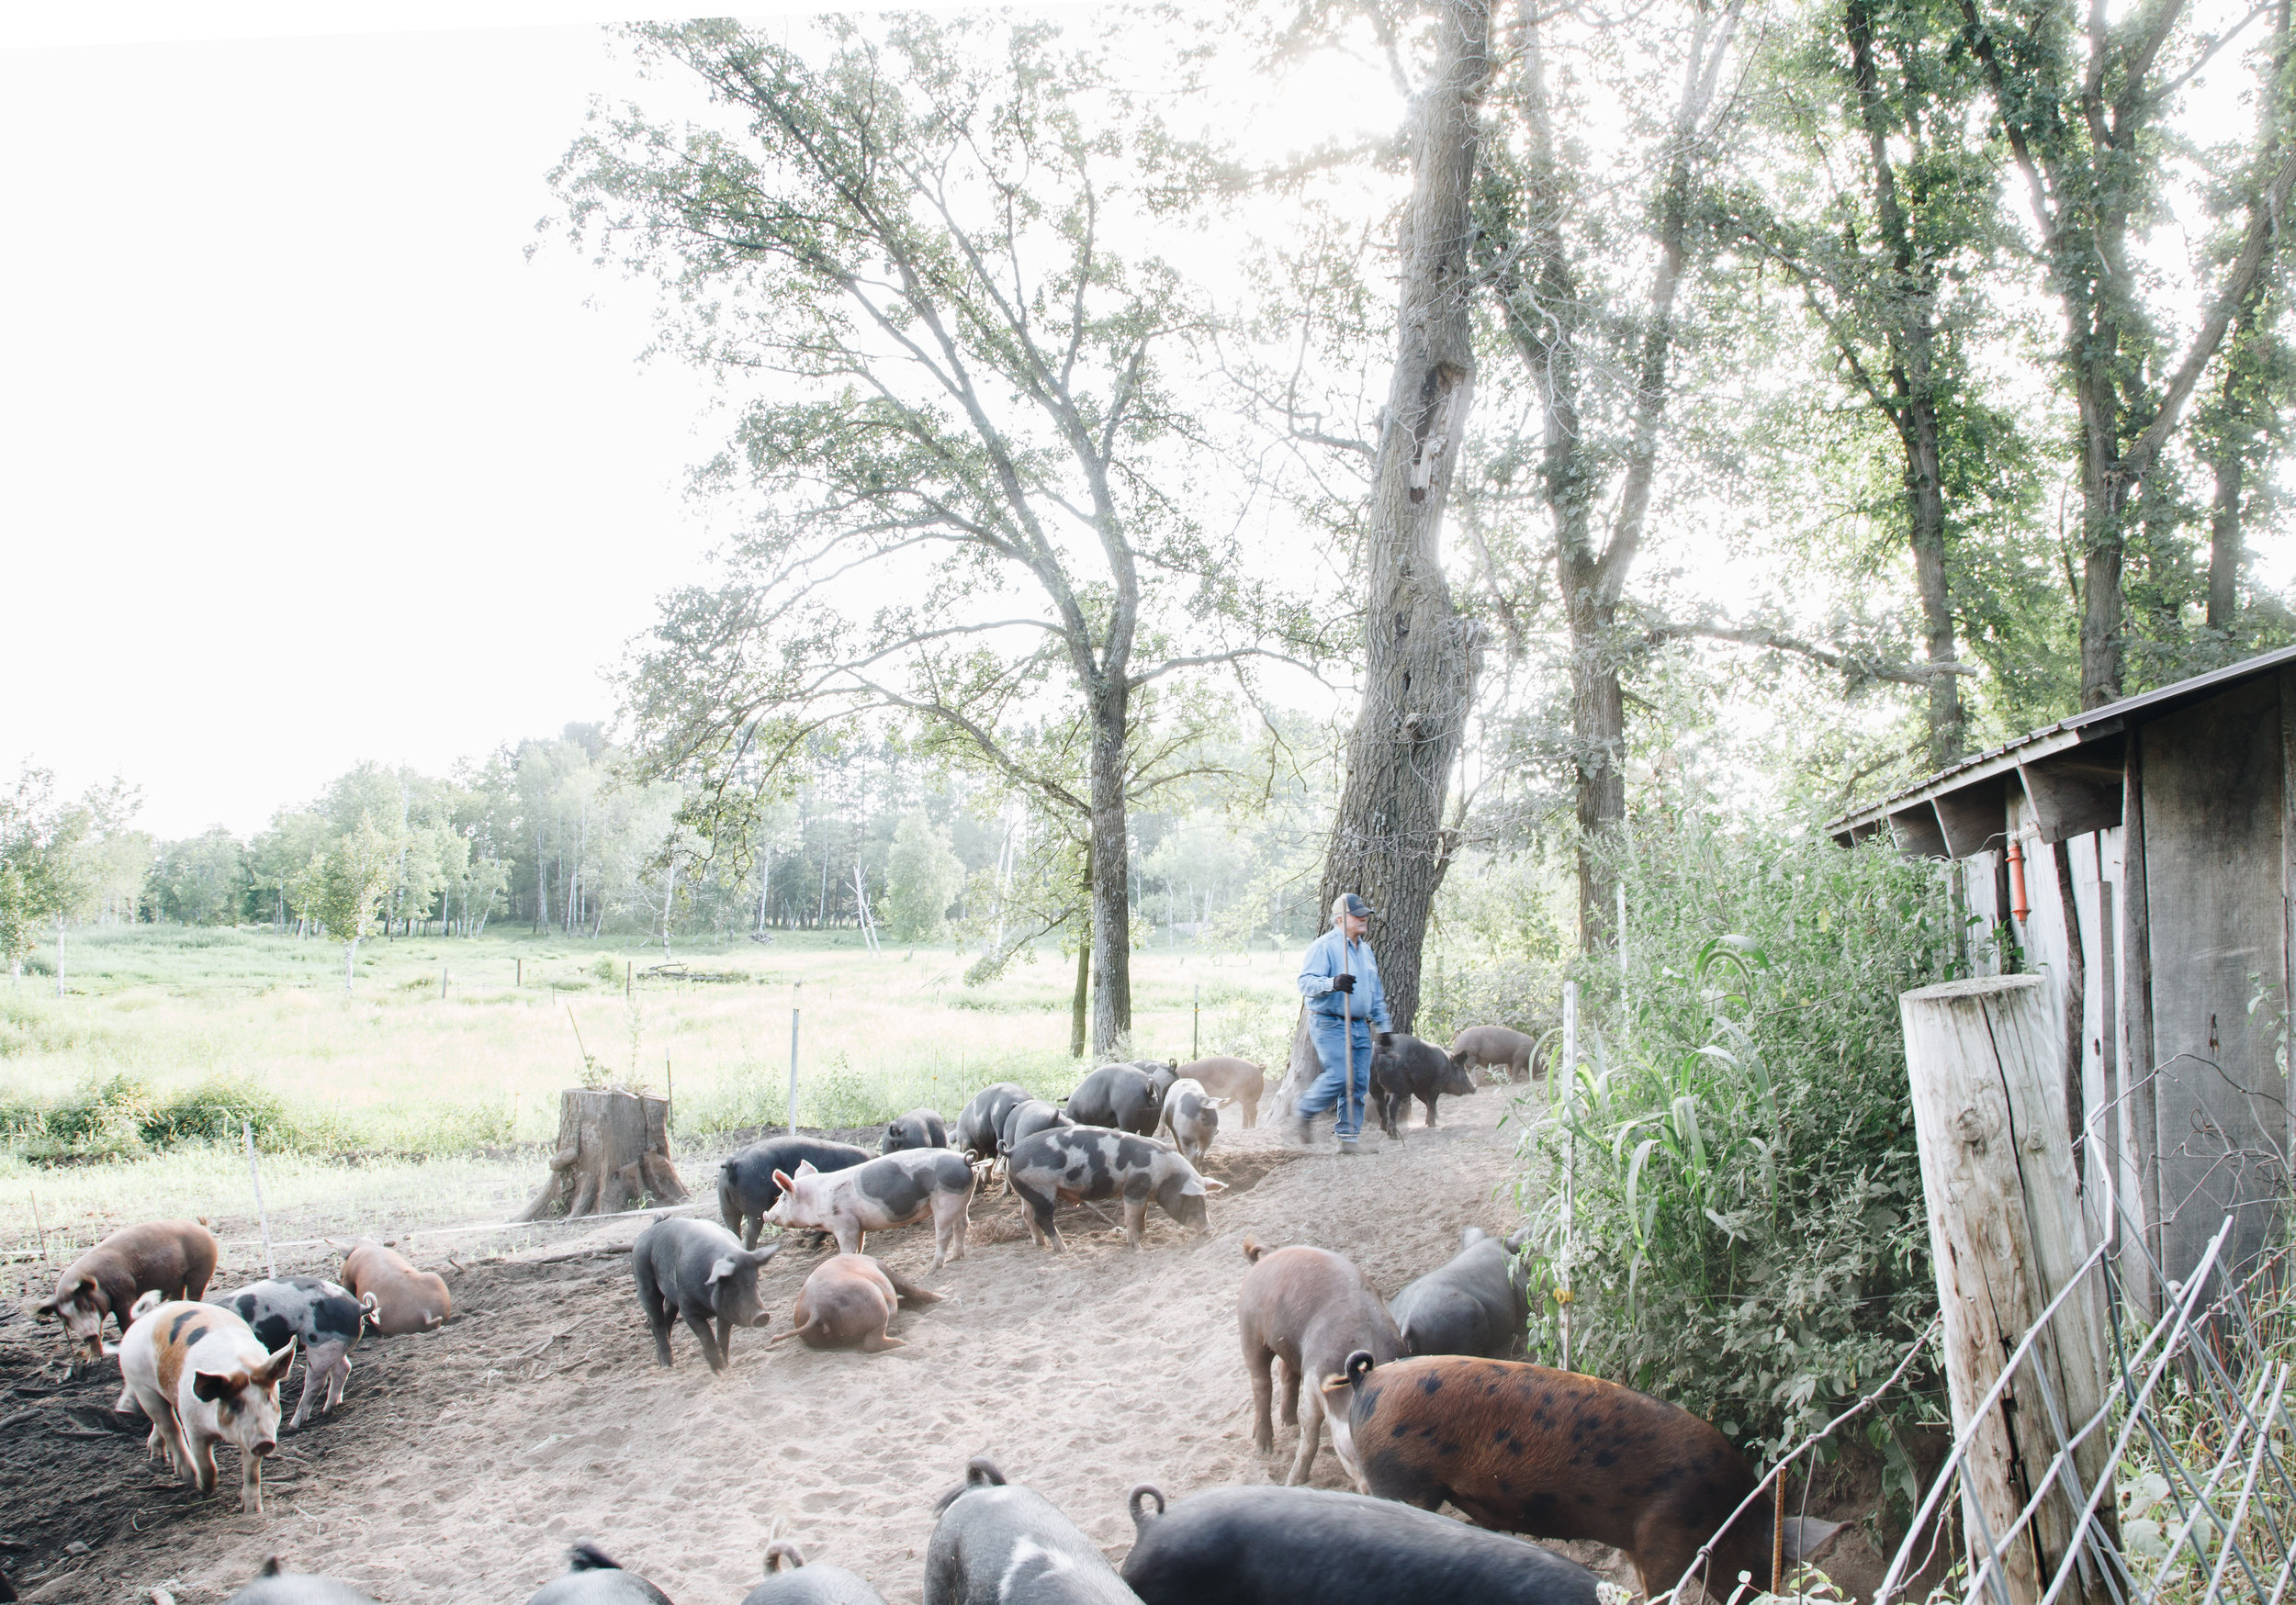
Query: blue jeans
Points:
[1328, 1033]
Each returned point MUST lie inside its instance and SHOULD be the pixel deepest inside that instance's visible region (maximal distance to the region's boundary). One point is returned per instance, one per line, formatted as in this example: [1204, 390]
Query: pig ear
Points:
[806, 1168]
[211, 1385]
[1192, 1188]
[781, 1180]
[146, 1303]
[46, 1312]
[764, 1252]
[1213, 1185]
[272, 1369]
[1220, 1102]
[719, 1271]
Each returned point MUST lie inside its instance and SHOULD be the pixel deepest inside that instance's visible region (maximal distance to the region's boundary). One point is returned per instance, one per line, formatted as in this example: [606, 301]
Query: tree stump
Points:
[614, 1148]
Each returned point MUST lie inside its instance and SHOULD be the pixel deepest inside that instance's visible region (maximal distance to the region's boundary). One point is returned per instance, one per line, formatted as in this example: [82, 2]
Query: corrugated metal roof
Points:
[2077, 731]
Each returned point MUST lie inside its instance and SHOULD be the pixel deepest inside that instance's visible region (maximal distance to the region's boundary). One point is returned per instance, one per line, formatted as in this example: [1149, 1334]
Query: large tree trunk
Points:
[1387, 842]
[1111, 869]
[614, 1148]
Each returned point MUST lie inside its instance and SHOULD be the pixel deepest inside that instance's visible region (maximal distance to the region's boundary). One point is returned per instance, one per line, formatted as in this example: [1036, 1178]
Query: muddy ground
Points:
[461, 1464]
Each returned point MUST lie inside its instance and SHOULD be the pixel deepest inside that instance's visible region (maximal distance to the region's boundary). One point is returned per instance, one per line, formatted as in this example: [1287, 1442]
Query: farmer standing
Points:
[1340, 979]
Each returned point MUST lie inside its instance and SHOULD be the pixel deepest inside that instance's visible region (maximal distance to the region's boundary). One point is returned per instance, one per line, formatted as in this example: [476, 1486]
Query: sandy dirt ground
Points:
[462, 1463]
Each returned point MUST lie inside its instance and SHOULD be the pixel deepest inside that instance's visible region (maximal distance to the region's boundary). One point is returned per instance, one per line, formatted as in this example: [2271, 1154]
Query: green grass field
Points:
[394, 1106]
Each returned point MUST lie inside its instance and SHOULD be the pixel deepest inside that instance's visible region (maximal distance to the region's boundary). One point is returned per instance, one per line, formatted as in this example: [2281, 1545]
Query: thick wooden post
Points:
[2005, 1235]
[614, 1148]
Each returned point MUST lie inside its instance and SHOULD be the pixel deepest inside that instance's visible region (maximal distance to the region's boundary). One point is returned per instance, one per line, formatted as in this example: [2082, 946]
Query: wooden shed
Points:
[2141, 859]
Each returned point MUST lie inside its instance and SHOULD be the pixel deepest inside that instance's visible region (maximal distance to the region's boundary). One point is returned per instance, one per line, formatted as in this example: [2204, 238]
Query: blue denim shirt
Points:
[1326, 958]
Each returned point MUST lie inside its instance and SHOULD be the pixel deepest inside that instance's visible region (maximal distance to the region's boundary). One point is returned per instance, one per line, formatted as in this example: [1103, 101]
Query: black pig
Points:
[698, 1270]
[919, 1128]
[1403, 1068]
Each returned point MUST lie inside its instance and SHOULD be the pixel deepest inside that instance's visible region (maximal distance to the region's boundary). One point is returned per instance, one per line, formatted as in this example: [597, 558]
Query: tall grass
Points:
[169, 1037]
[1745, 1235]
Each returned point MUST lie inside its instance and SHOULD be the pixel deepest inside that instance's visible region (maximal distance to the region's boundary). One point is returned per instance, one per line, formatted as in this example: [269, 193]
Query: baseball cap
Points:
[1357, 906]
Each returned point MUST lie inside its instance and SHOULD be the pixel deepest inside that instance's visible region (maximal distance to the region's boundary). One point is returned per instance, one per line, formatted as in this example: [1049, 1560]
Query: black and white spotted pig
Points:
[982, 1120]
[888, 1192]
[1192, 1115]
[271, 1585]
[1026, 1119]
[998, 1544]
[746, 1188]
[1082, 1164]
[594, 1577]
[919, 1128]
[790, 1581]
[321, 1314]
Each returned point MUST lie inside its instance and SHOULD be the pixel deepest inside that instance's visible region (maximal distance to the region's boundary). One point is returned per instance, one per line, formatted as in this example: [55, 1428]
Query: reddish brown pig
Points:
[1554, 1454]
[406, 1299]
[848, 1303]
[1306, 1308]
[1239, 1079]
[171, 1258]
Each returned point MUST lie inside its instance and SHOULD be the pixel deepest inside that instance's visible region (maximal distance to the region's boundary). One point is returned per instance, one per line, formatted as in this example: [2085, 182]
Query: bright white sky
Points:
[308, 462]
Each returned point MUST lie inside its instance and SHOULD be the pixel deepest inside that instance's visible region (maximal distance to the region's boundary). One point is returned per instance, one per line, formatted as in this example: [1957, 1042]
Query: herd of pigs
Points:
[1422, 1399]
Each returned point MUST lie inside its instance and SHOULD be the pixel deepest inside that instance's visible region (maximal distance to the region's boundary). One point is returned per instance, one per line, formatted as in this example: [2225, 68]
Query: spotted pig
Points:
[995, 1543]
[174, 1259]
[202, 1377]
[1192, 1115]
[888, 1192]
[1082, 1164]
[1554, 1454]
[919, 1128]
[790, 1581]
[320, 1315]
[983, 1119]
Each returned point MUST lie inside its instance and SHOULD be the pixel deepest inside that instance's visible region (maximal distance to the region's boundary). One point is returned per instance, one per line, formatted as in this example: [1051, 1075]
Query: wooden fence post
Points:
[2005, 1235]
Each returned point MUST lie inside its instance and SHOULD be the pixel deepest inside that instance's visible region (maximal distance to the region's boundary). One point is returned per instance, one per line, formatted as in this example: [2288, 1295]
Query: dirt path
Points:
[462, 1463]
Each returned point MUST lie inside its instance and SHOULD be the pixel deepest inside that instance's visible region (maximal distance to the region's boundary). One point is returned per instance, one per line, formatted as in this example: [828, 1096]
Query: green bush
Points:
[1748, 1238]
[211, 1112]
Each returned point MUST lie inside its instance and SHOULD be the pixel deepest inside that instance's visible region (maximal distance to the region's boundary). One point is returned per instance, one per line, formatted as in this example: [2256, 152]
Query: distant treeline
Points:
[550, 834]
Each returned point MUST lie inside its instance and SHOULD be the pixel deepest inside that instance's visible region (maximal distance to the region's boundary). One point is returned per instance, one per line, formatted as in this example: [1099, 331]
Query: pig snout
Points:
[263, 1448]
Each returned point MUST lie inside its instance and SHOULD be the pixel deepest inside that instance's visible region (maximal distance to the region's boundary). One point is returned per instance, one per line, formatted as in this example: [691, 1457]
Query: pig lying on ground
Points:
[1273, 1546]
[174, 1259]
[848, 1303]
[882, 1193]
[746, 1189]
[406, 1299]
[272, 1586]
[1500, 1049]
[1122, 1098]
[1306, 1309]
[1473, 1304]
[1082, 1164]
[319, 1313]
[1555, 1454]
[593, 1577]
[202, 1378]
[1240, 1080]
[983, 1120]
[1026, 1119]
[1192, 1115]
[917, 1129]
[698, 1270]
[1403, 1068]
[998, 1544]
[790, 1581]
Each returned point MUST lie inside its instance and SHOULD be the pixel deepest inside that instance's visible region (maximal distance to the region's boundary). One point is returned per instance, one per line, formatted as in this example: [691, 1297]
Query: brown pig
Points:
[848, 1303]
[1237, 1080]
[1307, 1309]
[1500, 1049]
[1550, 1453]
[171, 1258]
[406, 1299]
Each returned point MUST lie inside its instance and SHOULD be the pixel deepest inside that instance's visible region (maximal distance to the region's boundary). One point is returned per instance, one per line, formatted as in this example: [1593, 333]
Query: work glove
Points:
[1342, 983]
